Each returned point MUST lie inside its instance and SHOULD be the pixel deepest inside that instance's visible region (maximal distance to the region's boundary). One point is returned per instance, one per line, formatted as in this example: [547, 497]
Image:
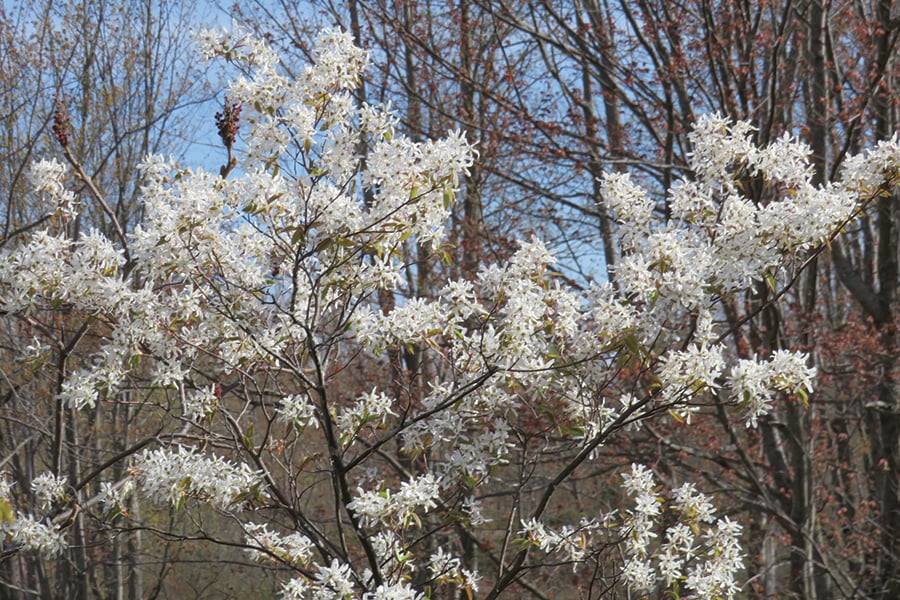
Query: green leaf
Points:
[449, 197]
[803, 396]
[248, 439]
[6, 511]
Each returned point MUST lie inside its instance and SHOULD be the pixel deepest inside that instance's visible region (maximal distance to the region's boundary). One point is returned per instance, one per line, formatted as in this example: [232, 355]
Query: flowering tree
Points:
[236, 328]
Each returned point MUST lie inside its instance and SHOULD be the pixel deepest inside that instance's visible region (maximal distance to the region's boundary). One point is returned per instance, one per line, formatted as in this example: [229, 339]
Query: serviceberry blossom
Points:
[297, 410]
[49, 489]
[873, 169]
[573, 542]
[699, 551]
[446, 569]
[200, 403]
[334, 581]
[174, 475]
[47, 177]
[294, 548]
[114, 494]
[695, 369]
[34, 535]
[383, 506]
[372, 409]
[753, 383]
[396, 591]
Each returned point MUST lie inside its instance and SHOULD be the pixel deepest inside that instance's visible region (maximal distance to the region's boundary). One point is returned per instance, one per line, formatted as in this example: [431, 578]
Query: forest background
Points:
[553, 94]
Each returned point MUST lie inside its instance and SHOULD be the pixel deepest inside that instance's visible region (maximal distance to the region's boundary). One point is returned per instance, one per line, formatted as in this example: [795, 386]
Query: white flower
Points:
[373, 408]
[754, 383]
[49, 489]
[711, 565]
[174, 475]
[34, 535]
[297, 410]
[694, 506]
[46, 176]
[639, 574]
[114, 494]
[334, 581]
[693, 370]
[294, 548]
[199, 404]
[382, 506]
[394, 591]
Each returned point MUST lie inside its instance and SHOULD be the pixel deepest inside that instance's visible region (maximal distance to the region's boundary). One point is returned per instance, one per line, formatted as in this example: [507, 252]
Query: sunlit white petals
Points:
[200, 403]
[719, 145]
[297, 410]
[753, 383]
[172, 476]
[113, 495]
[48, 177]
[334, 581]
[35, 536]
[49, 489]
[338, 59]
[689, 371]
[279, 273]
[80, 390]
[873, 169]
[235, 44]
[369, 410]
[394, 591]
[630, 203]
[572, 542]
[786, 161]
[447, 569]
[399, 507]
[697, 551]
[294, 548]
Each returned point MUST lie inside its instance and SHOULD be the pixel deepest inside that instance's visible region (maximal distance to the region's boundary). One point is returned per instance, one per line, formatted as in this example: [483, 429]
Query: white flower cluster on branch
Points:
[699, 551]
[173, 476]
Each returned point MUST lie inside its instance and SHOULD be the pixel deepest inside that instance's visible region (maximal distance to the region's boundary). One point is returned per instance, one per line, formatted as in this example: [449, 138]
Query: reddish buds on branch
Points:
[62, 124]
[227, 122]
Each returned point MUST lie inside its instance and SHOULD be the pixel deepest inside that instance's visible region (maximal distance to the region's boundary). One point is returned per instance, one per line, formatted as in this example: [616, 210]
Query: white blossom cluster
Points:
[298, 410]
[113, 495]
[690, 371]
[718, 238]
[446, 568]
[23, 530]
[754, 383]
[572, 542]
[47, 177]
[174, 475]
[294, 548]
[49, 489]
[382, 506]
[34, 535]
[699, 552]
[200, 403]
[370, 409]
